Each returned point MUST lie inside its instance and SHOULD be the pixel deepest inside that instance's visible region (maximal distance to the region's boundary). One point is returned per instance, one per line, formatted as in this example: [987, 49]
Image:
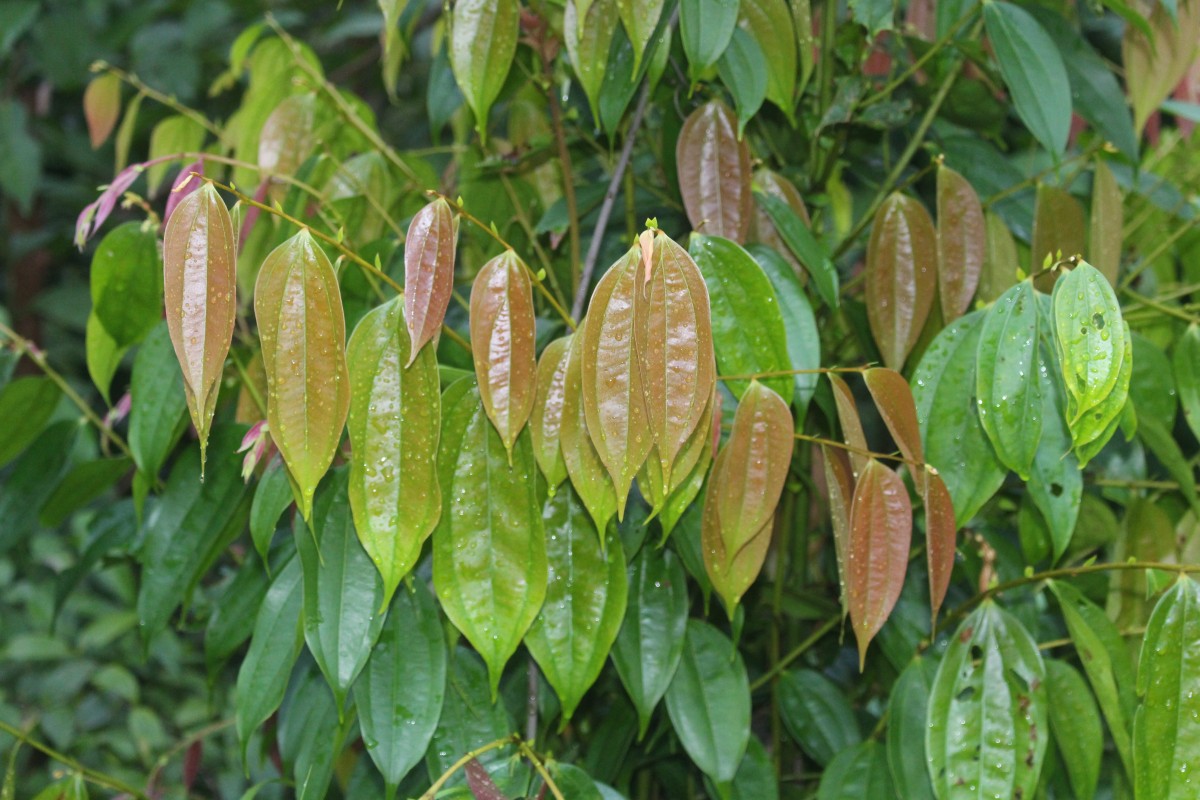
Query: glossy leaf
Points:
[1033, 71]
[1055, 482]
[767, 183]
[31, 480]
[743, 70]
[584, 467]
[1153, 66]
[799, 324]
[987, 726]
[894, 399]
[1058, 227]
[1000, 262]
[795, 233]
[232, 620]
[483, 42]
[709, 702]
[769, 22]
[755, 779]
[103, 355]
[1186, 360]
[858, 772]
[906, 730]
[489, 550]
[26, 405]
[961, 240]
[877, 555]
[649, 645]
[1152, 388]
[102, 107]
[298, 307]
[127, 292]
[400, 692]
[900, 276]
[287, 135]
[429, 252]
[585, 600]
[816, 714]
[200, 281]
[839, 482]
[470, 717]
[546, 421]
[1009, 400]
[640, 18]
[272, 496]
[691, 468]
[588, 29]
[1075, 723]
[852, 428]
[706, 26]
[714, 168]
[1091, 340]
[1105, 237]
[394, 421]
[157, 406]
[941, 540]
[309, 736]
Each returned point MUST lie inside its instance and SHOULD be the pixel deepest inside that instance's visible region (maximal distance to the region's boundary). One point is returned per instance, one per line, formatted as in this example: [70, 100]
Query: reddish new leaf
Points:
[503, 344]
[893, 397]
[852, 430]
[586, 470]
[429, 271]
[714, 172]
[1058, 227]
[877, 556]
[102, 107]
[961, 239]
[839, 482]
[900, 276]
[941, 533]
[546, 422]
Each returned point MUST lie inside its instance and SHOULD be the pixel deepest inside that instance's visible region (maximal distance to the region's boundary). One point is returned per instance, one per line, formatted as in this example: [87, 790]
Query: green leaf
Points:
[816, 714]
[26, 405]
[1055, 482]
[906, 730]
[585, 600]
[709, 702]
[489, 550]
[1166, 753]
[648, 647]
[640, 18]
[859, 772]
[743, 69]
[956, 444]
[158, 408]
[127, 282]
[233, 617]
[588, 28]
[799, 323]
[748, 331]
[575, 783]
[755, 779]
[874, 15]
[175, 134]
[272, 496]
[1010, 401]
[483, 42]
[83, 484]
[804, 246]
[104, 355]
[470, 718]
[1186, 359]
[1033, 70]
[987, 723]
[705, 26]
[769, 22]
[343, 594]
[21, 155]
[1164, 447]
[1075, 723]
[310, 736]
[400, 693]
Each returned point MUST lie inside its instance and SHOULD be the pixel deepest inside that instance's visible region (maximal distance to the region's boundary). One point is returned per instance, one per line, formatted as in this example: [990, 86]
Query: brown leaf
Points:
[1153, 68]
[839, 480]
[877, 558]
[429, 271]
[941, 534]
[1108, 220]
[102, 107]
[480, 782]
[503, 344]
[714, 172]
[586, 470]
[852, 430]
[200, 285]
[900, 276]
[546, 422]
[960, 242]
[999, 261]
[893, 397]
[1058, 226]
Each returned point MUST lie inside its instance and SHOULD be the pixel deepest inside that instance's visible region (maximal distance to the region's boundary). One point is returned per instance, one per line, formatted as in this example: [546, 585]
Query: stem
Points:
[934, 49]
[799, 650]
[527, 751]
[1162, 247]
[527, 226]
[88, 774]
[804, 437]
[531, 702]
[1160, 307]
[781, 373]
[1032, 180]
[165, 99]
[462, 762]
[564, 160]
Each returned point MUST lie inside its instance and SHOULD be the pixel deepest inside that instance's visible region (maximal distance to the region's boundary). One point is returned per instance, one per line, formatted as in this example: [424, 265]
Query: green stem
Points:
[916, 65]
[466, 759]
[88, 774]
[799, 650]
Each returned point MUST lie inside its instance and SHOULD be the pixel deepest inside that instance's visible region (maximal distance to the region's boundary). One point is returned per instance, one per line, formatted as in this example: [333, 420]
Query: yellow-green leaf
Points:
[546, 422]
[589, 34]
[483, 42]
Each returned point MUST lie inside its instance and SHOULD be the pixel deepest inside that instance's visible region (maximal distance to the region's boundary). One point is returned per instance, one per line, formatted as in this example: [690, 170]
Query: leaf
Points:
[649, 645]
[1108, 219]
[743, 70]
[400, 692]
[585, 601]
[713, 165]
[1186, 359]
[26, 405]
[84, 483]
[157, 404]
[173, 135]
[1055, 482]
[287, 136]
[232, 620]
[1033, 71]
[705, 26]
[906, 730]
[489, 550]
[21, 156]
[546, 421]
[987, 719]
[755, 779]
[961, 240]
[900, 276]
[640, 18]
[1009, 400]
[394, 421]
[200, 283]
[894, 399]
[429, 252]
[816, 714]
[1154, 66]
[941, 539]
[859, 772]
[310, 737]
[575, 783]
[691, 469]
[839, 482]
[956, 444]
[1075, 722]
[470, 717]
[748, 332]
[298, 306]
[1162, 444]
[877, 555]
[104, 355]
[743, 492]
[127, 294]
[32, 480]
[483, 42]
[584, 467]
[102, 107]
[799, 323]
[800, 240]
[1164, 745]
[1152, 382]
[769, 22]
[612, 387]
[709, 702]
[1000, 261]
[1058, 226]
[395, 48]
[588, 35]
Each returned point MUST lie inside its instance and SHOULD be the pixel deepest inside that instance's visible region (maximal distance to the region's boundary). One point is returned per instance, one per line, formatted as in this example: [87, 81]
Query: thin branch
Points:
[804, 437]
[527, 751]
[163, 98]
[88, 774]
[781, 373]
[799, 650]
[916, 65]
[564, 158]
[462, 762]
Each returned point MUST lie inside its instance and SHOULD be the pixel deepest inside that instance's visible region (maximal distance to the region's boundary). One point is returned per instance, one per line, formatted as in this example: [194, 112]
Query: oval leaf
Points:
[101, 106]
[900, 276]
[428, 272]
[816, 714]
[483, 42]
[1009, 399]
[714, 171]
[960, 242]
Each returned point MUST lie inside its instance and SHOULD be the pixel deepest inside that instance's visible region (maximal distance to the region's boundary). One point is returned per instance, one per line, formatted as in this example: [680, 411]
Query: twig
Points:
[462, 762]
[799, 650]
[933, 50]
[804, 437]
[527, 751]
[781, 373]
[165, 99]
[88, 774]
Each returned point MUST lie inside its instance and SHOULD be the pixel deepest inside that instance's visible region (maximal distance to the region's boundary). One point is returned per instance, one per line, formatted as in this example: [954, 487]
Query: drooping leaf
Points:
[1075, 723]
[483, 42]
[232, 620]
[839, 482]
[394, 421]
[900, 276]
[1186, 360]
[1058, 227]
[852, 429]
[1055, 482]
[287, 136]
[861, 771]
[770, 23]
[961, 240]
[1159, 440]
[799, 324]
[103, 355]
[127, 291]
[298, 307]
[588, 29]
[429, 252]
[1152, 389]
[894, 399]
[706, 26]
[26, 405]
[640, 18]
[582, 461]
[102, 107]
[755, 779]
[714, 169]
[1009, 399]
[489, 550]
[157, 405]
[546, 421]
[767, 183]
[1108, 219]
[816, 714]
[85, 482]
[743, 70]
[200, 282]
[690, 470]
[470, 717]
[1154, 66]
[272, 496]
[906, 730]
[794, 231]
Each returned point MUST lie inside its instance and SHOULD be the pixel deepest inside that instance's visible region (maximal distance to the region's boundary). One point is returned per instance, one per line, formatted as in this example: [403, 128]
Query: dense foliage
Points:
[617, 398]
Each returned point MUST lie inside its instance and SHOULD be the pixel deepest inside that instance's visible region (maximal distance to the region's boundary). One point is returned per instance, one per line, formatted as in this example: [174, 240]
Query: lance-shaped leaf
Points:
[706, 26]
[673, 336]
[743, 491]
[1058, 227]
[817, 714]
[126, 283]
[941, 538]
[584, 467]
[1075, 722]
[960, 242]
[483, 42]
[614, 400]
[762, 228]
[1165, 750]
[1091, 338]
[588, 29]
[714, 172]
[861, 771]
[200, 282]
[1105, 236]
[839, 482]
[394, 420]
[156, 413]
[298, 306]
[287, 135]
[906, 730]
[640, 18]
[1008, 395]
[793, 229]
[743, 70]
[546, 421]
[900, 276]
[770, 23]
[852, 429]
[428, 272]
[1094, 428]
[687, 475]
[799, 324]
[1186, 361]
[585, 600]
[893, 397]
[102, 107]
[503, 344]
[469, 719]
[987, 723]
[877, 555]
[1055, 482]
[1000, 260]
[489, 550]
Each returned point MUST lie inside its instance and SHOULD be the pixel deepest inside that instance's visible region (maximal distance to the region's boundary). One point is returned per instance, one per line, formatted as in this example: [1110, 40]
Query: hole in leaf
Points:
[1098, 321]
[1056, 489]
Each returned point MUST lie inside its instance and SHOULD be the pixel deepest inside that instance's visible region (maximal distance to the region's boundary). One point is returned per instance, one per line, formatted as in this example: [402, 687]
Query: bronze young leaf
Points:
[591, 481]
[428, 272]
[547, 419]
[714, 172]
[900, 277]
[960, 242]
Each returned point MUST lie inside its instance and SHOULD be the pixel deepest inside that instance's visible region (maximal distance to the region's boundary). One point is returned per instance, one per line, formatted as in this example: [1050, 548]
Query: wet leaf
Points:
[287, 136]
[483, 42]
[894, 399]
[102, 107]
[584, 467]
[470, 718]
[770, 23]
[906, 730]
[961, 240]
[743, 70]
[705, 26]
[799, 323]
[714, 171]
[157, 407]
[900, 276]
[839, 481]
[1153, 67]
[489, 550]
[1058, 227]
[816, 715]
[232, 620]
[1009, 398]
[298, 306]
[428, 272]
[794, 230]
[1186, 360]
[1055, 482]
[859, 772]
[588, 29]
[852, 430]
[272, 497]
[690, 470]
[546, 421]
[1092, 341]
[26, 405]
[640, 18]
[941, 539]
[200, 283]
[127, 291]
[1105, 236]
[394, 421]
[1000, 261]
[1075, 722]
